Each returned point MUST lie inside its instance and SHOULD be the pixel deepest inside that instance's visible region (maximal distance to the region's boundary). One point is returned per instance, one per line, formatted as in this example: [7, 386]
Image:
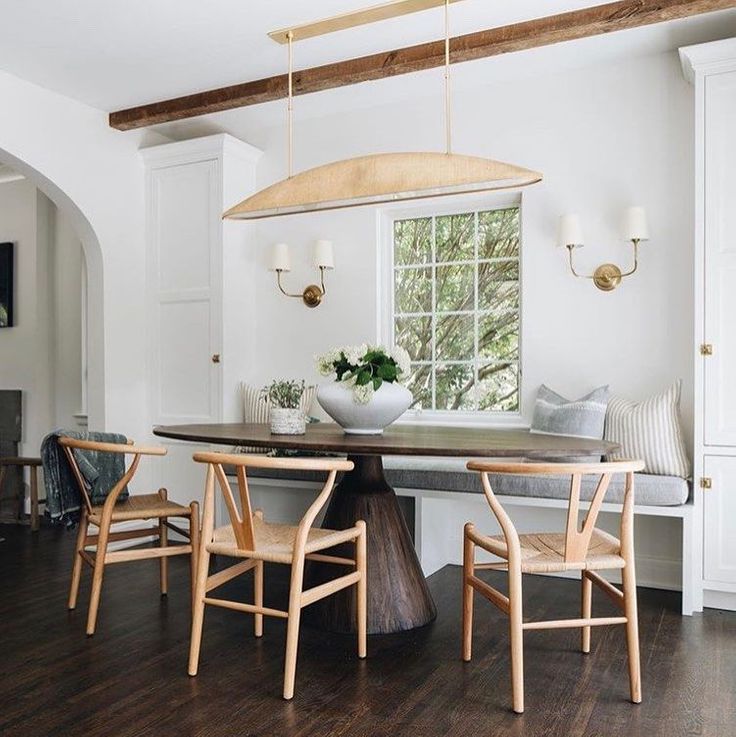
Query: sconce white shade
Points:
[280, 260]
[323, 255]
[635, 226]
[569, 232]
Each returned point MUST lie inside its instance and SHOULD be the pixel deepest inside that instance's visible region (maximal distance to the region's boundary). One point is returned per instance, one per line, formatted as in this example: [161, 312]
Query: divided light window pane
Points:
[456, 309]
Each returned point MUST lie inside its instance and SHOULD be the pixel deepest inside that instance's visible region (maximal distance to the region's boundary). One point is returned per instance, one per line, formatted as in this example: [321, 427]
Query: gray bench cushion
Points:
[648, 490]
[446, 474]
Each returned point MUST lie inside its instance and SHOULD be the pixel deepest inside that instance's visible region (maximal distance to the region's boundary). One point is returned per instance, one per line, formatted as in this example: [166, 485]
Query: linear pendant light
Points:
[378, 178]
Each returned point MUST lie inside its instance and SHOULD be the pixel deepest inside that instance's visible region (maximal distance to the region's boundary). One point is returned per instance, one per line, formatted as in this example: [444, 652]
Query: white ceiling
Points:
[117, 54]
[113, 55]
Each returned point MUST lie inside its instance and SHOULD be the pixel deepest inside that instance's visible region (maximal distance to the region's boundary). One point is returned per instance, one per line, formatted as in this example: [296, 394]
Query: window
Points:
[456, 305]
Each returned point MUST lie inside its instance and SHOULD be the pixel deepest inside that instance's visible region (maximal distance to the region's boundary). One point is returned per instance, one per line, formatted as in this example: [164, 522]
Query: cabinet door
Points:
[719, 509]
[720, 258]
[185, 287]
[185, 233]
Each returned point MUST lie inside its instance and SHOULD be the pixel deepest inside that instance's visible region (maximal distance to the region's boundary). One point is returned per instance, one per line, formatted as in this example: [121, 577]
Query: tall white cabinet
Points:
[712, 70]
[199, 287]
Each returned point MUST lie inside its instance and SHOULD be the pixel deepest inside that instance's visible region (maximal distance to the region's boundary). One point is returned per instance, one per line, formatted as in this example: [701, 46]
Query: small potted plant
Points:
[368, 393]
[285, 413]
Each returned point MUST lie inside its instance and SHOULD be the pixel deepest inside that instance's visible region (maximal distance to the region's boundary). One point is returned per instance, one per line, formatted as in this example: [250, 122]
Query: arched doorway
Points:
[95, 358]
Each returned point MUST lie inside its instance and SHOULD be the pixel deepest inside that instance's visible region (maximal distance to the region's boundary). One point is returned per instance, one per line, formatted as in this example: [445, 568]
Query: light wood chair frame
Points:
[104, 521]
[247, 548]
[577, 540]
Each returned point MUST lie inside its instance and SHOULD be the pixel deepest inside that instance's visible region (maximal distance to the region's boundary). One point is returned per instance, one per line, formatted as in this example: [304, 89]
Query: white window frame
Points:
[385, 298]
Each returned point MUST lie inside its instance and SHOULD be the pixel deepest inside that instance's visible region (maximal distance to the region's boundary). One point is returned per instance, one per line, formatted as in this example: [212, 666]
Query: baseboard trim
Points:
[719, 600]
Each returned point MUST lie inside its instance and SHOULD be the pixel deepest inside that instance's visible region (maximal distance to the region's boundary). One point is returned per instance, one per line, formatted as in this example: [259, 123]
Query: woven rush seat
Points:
[141, 506]
[545, 552]
[275, 543]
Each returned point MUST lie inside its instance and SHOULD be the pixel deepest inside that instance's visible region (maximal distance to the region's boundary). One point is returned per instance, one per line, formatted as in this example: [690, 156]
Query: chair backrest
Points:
[577, 535]
[242, 520]
[71, 444]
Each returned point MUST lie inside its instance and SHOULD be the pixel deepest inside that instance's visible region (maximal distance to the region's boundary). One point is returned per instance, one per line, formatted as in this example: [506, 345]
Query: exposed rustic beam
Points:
[616, 16]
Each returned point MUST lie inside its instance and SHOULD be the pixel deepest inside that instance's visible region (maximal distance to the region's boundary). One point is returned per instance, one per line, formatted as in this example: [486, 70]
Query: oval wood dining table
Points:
[398, 596]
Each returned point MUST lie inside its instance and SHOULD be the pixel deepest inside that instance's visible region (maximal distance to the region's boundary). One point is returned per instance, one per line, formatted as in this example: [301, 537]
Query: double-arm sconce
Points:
[323, 259]
[607, 276]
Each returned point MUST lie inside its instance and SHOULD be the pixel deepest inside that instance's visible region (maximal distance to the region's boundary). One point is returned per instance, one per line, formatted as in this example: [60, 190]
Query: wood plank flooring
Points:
[130, 680]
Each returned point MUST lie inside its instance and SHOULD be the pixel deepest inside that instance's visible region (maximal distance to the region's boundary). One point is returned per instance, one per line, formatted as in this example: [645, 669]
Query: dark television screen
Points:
[6, 285]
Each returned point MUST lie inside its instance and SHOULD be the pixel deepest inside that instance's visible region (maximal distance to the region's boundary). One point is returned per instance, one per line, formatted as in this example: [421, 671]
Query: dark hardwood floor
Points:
[130, 678]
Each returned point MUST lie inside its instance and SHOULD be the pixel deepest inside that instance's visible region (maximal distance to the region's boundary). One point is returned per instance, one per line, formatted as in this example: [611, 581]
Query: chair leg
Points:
[77, 567]
[632, 630]
[97, 575]
[292, 629]
[362, 589]
[34, 499]
[468, 570]
[203, 562]
[258, 588]
[516, 633]
[586, 611]
[163, 540]
[258, 597]
[194, 542]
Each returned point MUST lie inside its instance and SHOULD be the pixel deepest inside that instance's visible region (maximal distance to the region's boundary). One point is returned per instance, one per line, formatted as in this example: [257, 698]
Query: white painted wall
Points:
[604, 137]
[41, 354]
[66, 271]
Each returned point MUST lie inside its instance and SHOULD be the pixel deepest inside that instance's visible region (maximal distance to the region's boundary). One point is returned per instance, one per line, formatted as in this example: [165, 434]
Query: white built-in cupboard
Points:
[712, 70]
[199, 292]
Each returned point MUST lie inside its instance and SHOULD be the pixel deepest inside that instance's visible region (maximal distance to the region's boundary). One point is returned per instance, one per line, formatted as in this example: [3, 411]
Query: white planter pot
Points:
[287, 421]
[386, 406]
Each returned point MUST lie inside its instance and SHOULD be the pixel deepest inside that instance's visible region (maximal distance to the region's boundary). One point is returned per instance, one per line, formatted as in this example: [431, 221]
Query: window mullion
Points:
[476, 347]
[433, 376]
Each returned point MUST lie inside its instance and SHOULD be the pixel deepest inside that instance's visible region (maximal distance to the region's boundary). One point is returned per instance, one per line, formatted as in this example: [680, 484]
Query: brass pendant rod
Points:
[448, 112]
[290, 105]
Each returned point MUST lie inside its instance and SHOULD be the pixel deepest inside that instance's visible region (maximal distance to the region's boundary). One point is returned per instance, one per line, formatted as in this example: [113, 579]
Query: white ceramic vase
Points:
[386, 405]
[287, 421]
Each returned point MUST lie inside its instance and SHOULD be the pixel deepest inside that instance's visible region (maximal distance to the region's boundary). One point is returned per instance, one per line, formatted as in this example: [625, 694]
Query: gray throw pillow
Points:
[581, 418]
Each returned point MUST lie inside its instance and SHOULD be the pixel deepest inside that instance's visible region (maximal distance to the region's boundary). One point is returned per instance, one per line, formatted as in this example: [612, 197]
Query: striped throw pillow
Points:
[256, 409]
[650, 431]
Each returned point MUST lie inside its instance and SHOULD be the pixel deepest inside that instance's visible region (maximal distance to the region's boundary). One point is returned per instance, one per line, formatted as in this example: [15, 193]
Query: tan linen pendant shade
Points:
[380, 178]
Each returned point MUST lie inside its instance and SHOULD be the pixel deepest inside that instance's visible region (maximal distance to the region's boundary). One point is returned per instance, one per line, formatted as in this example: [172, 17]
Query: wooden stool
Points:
[32, 464]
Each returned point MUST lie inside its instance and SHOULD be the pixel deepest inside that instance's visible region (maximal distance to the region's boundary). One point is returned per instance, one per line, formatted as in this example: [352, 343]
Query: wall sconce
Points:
[323, 259]
[607, 276]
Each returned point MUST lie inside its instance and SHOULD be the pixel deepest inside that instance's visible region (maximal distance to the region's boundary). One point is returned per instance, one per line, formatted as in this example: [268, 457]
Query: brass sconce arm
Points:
[635, 243]
[312, 294]
[607, 276]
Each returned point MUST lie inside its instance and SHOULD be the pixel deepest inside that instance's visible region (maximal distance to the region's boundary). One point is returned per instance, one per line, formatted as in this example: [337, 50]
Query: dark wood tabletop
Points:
[410, 440]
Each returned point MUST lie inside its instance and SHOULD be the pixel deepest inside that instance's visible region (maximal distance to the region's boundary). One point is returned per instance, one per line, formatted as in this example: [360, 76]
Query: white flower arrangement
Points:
[365, 367]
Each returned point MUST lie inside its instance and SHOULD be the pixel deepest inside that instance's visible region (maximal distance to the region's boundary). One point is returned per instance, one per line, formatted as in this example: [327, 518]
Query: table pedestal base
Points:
[398, 596]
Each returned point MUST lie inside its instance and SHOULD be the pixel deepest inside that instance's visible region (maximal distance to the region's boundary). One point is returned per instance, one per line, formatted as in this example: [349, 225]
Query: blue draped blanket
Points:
[100, 472]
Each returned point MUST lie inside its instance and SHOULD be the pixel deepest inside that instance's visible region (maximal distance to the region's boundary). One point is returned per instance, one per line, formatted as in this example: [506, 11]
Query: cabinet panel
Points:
[720, 258]
[719, 509]
[187, 392]
[184, 205]
[185, 236]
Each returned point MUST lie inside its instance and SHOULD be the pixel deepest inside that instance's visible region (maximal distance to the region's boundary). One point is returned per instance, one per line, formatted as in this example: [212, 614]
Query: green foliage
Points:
[457, 277]
[374, 367]
[284, 394]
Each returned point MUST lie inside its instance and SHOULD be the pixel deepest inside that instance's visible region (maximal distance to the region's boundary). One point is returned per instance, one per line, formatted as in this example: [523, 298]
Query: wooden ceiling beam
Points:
[593, 21]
